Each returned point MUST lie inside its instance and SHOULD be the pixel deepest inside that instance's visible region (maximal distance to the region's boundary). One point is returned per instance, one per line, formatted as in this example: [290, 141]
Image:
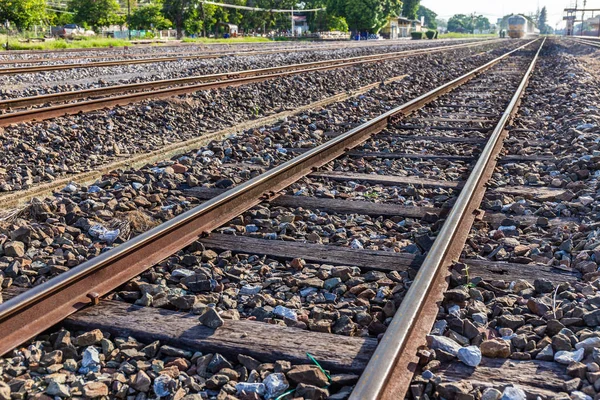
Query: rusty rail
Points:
[97, 64]
[390, 370]
[36, 310]
[79, 94]
[228, 79]
[120, 52]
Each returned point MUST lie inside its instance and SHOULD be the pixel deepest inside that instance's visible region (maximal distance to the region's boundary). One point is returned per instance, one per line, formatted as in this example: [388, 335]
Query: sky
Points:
[494, 9]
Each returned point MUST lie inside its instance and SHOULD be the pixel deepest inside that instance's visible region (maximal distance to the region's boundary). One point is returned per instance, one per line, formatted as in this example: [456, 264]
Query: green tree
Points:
[177, 11]
[369, 15]
[335, 23]
[459, 23]
[201, 19]
[59, 18]
[468, 23]
[23, 13]
[430, 17]
[146, 17]
[542, 21]
[410, 8]
[481, 23]
[95, 13]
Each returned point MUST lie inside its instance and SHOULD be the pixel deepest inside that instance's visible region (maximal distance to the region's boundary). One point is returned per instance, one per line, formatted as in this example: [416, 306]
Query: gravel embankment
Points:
[42, 151]
[31, 84]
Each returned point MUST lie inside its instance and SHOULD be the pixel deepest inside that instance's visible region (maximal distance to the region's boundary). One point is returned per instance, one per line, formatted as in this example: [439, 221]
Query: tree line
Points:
[195, 17]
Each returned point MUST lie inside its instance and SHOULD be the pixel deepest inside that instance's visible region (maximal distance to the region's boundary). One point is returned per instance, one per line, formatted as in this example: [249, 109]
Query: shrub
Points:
[417, 35]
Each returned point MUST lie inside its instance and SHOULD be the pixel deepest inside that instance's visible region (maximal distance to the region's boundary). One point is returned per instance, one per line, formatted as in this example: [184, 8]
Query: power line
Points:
[59, 11]
[261, 9]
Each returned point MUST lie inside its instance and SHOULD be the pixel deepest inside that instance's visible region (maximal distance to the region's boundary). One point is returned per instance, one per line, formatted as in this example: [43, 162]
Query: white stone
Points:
[285, 312]
[276, 385]
[567, 357]
[588, 344]
[513, 393]
[470, 355]
[258, 388]
[443, 343]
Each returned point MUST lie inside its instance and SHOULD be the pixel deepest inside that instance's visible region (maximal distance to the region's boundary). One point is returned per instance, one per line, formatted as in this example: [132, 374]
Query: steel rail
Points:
[72, 95]
[36, 310]
[390, 369]
[180, 45]
[56, 67]
[243, 77]
[587, 42]
[126, 56]
[98, 64]
[281, 48]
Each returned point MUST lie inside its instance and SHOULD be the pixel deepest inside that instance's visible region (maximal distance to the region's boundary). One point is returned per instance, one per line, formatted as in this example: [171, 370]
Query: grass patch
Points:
[249, 39]
[456, 35]
[58, 44]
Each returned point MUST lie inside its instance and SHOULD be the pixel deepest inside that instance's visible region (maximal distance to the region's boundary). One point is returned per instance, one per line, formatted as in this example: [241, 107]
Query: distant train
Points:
[519, 26]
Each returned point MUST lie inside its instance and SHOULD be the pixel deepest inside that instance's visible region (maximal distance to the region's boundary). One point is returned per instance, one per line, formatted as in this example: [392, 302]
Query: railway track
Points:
[590, 42]
[125, 54]
[130, 93]
[171, 58]
[489, 94]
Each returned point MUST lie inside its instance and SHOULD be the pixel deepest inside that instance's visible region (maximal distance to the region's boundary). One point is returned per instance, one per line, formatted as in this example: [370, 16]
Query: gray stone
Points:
[164, 385]
[141, 382]
[244, 387]
[577, 395]
[546, 354]
[276, 384]
[284, 312]
[470, 355]
[588, 344]
[567, 357]
[441, 342]
[211, 318]
[58, 389]
[513, 393]
[90, 360]
[491, 394]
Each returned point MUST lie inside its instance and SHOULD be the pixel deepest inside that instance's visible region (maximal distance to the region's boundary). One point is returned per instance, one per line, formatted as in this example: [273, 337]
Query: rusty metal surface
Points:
[272, 72]
[56, 67]
[124, 52]
[47, 304]
[390, 370]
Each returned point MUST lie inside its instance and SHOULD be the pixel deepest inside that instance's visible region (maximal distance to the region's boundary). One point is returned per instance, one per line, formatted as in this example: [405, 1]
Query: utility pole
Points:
[203, 20]
[293, 33]
[129, 18]
[582, 20]
[7, 26]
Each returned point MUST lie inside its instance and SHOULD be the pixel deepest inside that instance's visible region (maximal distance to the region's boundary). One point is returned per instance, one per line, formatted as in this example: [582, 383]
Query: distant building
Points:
[399, 27]
[300, 25]
[594, 24]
